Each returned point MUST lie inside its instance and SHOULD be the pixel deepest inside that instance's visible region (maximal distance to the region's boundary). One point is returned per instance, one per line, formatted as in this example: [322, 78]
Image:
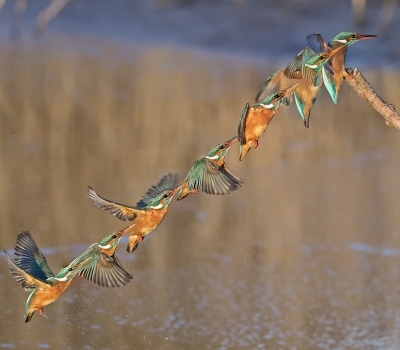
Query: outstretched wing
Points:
[30, 258]
[167, 182]
[233, 178]
[216, 180]
[102, 269]
[297, 69]
[120, 211]
[294, 70]
[271, 86]
[195, 176]
[317, 43]
[26, 280]
[242, 124]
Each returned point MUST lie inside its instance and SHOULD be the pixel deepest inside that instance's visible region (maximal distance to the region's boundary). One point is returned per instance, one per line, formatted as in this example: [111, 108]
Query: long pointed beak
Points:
[366, 37]
[331, 53]
[125, 230]
[232, 141]
[176, 190]
[289, 90]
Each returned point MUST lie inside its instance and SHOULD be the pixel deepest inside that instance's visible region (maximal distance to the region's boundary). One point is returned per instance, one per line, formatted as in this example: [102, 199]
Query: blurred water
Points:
[304, 256]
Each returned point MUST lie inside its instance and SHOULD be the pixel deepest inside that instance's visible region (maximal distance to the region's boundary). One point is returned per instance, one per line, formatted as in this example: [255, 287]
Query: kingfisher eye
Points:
[114, 236]
[354, 36]
[70, 269]
[221, 147]
[165, 196]
[321, 57]
[276, 96]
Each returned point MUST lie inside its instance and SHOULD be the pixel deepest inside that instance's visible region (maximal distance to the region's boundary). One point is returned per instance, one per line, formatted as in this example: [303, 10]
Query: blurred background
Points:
[114, 94]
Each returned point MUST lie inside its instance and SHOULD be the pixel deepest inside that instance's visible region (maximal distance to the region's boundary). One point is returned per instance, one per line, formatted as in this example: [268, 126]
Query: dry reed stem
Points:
[357, 81]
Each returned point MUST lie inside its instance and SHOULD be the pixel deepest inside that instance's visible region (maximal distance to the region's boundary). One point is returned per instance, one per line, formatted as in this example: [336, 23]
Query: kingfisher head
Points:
[219, 150]
[349, 38]
[162, 199]
[317, 61]
[274, 100]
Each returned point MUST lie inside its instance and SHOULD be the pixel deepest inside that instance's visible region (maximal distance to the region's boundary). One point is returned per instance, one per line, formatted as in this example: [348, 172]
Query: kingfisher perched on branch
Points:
[333, 73]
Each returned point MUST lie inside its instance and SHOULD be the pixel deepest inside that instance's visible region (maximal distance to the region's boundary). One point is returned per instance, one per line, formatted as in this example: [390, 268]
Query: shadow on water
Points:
[304, 256]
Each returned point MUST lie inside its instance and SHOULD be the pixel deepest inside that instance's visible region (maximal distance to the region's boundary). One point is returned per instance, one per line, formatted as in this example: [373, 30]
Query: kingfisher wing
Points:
[330, 84]
[216, 180]
[25, 279]
[294, 70]
[297, 68]
[242, 124]
[195, 176]
[120, 211]
[236, 181]
[317, 43]
[102, 269]
[167, 182]
[309, 73]
[271, 86]
[30, 258]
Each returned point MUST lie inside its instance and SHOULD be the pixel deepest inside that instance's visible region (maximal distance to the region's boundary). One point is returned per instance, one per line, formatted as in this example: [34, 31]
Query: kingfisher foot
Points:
[255, 142]
[41, 312]
[196, 191]
[350, 73]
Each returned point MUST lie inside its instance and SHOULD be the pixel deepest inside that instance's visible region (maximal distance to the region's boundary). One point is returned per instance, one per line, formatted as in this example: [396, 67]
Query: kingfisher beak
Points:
[232, 141]
[366, 37]
[331, 53]
[176, 190]
[289, 90]
[125, 230]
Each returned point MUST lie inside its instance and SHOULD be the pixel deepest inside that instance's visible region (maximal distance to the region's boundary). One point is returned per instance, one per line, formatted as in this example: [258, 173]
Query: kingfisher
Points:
[210, 173]
[148, 213]
[104, 268]
[333, 75]
[305, 69]
[255, 119]
[30, 269]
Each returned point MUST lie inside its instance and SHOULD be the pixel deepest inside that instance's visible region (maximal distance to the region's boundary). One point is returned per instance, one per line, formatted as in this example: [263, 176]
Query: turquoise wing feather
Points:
[26, 280]
[30, 258]
[330, 84]
[242, 124]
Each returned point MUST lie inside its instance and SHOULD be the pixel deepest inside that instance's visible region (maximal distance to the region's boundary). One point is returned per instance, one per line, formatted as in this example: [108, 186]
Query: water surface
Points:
[305, 256]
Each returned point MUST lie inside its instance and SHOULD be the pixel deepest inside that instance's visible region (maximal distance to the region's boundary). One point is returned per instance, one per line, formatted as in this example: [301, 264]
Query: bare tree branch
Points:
[356, 80]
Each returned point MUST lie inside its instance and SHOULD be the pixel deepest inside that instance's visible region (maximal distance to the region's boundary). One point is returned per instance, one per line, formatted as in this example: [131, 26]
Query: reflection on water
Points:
[304, 256]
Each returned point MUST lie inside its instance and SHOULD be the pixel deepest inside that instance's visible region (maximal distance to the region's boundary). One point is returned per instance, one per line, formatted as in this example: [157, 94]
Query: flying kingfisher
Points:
[104, 268]
[334, 73]
[148, 213]
[210, 174]
[255, 119]
[30, 269]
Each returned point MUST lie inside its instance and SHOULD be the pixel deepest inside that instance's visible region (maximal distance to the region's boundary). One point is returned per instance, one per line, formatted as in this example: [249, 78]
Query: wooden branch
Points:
[356, 80]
